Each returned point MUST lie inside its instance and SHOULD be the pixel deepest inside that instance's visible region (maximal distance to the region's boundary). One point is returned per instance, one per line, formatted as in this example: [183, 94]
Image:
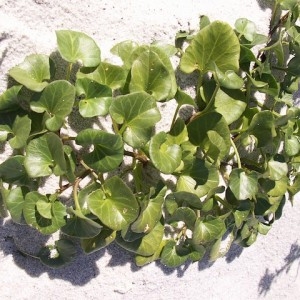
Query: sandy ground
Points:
[266, 270]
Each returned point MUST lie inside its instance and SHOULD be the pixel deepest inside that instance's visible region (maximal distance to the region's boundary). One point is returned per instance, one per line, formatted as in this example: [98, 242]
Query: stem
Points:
[3, 210]
[236, 154]
[274, 13]
[175, 115]
[75, 194]
[115, 126]
[69, 70]
[211, 100]
[137, 175]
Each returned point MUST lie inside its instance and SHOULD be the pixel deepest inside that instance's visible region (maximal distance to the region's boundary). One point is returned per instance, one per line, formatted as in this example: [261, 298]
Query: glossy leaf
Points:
[76, 46]
[246, 28]
[202, 124]
[57, 101]
[216, 43]
[13, 171]
[106, 74]
[165, 155]
[137, 113]
[115, 204]
[170, 257]
[150, 215]
[61, 254]
[103, 239]
[208, 230]
[244, 186]
[228, 79]
[183, 199]
[20, 130]
[146, 245]
[95, 98]
[108, 149]
[9, 99]
[44, 156]
[183, 214]
[56, 210]
[33, 72]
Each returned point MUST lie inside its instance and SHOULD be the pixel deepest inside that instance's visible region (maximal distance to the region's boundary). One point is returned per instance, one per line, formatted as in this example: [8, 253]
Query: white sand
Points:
[268, 269]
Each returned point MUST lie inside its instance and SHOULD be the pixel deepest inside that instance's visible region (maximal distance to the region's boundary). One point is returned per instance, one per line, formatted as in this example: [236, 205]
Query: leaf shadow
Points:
[265, 4]
[269, 277]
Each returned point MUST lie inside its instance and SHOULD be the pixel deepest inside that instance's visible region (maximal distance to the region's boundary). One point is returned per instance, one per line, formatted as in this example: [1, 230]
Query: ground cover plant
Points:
[221, 175]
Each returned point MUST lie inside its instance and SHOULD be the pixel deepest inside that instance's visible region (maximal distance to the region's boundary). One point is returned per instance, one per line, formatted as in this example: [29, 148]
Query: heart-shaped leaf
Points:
[184, 199]
[106, 74]
[183, 214]
[55, 216]
[33, 72]
[13, 171]
[76, 46]
[57, 101]
[108, 149]
[20, 130]
[150, 215]
[149, 74]
[246, 28]
[103, 239]
[138, 113]
[216, 43]
[96, 97]
[114, 204]
[44, 156]
[9, 99]
[204, 123]
[243, 186]
[61, 254]
[146, 245]
[165, 155]
[199, 180]
[170, 257]
[208, 230]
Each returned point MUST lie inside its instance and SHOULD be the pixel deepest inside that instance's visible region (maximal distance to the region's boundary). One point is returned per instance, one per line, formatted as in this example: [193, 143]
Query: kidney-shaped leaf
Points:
[108, 149]
[21, 129]
[57, 101]
[243, 186]
[76, 46]
[150, 215]
[47, 218]
[96, 97]
[208, 230]
[33, 72]
[61, 254]
[137, 112]
[216, 43]
[116, 207]
[165, 155]
[209, 122]
[45, 155]
[9, 99]
[246, 28]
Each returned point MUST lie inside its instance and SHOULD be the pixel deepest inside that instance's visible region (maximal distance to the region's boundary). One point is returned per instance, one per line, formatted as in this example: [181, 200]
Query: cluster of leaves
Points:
[233, 163]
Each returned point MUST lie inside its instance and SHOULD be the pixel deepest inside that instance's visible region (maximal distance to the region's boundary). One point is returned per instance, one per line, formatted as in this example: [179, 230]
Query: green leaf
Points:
[294, 32]
[21, 129]
[212, 121]
[230, 104]
[44, 209]
[178, 133]
[288, 4]
[15, 201]
[138, 113]
[183, 98]
[150, 215]
[13, 171]
[95, 98]
[165, 155]
[184, 214]
[229, 79]
[81, 226]
[76, 46]
[262, 127]
[170, 257]
[149, 74]
[244, 186]
[115, 204]
[33, 217]
[199, 180]
[103, 239]
[208, 230]
[57, 101]
[9, 99]
[44, 156]
[108, 149]
[216, 43]
[276, 169]
[184, 199]
[146, 245]
[33, 72]
[61, 254]
[125, 50]
[246, 28]
[105, 74]
[240, 216]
